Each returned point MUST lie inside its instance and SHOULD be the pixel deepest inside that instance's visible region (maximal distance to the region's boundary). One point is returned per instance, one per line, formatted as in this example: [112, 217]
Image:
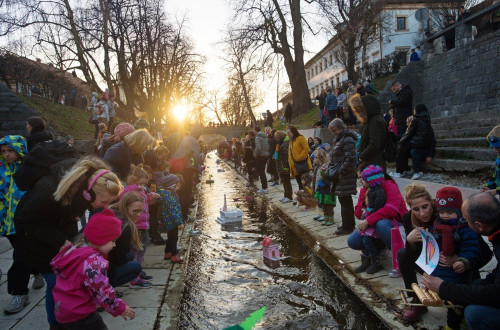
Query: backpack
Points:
[390, 147]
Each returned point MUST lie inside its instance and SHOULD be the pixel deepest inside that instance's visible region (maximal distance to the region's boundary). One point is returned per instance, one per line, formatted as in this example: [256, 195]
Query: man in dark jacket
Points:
[482, 311]
[402, 105]
[321, 103]
[288, 113]
[462, 14]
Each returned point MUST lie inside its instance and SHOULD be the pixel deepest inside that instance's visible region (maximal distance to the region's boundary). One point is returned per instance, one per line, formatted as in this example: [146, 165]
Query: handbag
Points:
[301, 167]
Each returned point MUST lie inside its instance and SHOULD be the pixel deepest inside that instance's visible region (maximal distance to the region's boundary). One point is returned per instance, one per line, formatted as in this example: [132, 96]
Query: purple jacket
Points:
[82, 285]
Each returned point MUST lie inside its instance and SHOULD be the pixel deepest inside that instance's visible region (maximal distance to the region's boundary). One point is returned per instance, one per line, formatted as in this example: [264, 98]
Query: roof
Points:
[268, 241]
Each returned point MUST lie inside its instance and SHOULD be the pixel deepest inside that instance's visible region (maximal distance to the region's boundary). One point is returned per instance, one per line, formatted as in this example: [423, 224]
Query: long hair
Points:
[122, 207]
[139, 141]
[37, 124]
[294, 131]
[137, 173]
[414, 191]
[81, 174]
[320, 156]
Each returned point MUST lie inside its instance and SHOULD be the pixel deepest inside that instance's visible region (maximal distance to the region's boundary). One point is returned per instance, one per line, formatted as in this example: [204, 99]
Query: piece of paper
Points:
[429, 257]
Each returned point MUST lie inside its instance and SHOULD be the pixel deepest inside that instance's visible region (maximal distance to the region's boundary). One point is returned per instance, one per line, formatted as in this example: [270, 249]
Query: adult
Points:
[482, 311]
[298, 153]
[46, 217]
[360, 89]
[373, 132]
[288, 113]
[121, 131]
[341, 100]
[462, 13]
[321, 98]
[402, 105]
[367, 87]
[103, 111]
[269, 119]
[418, 142]
[316, 143]
[344, 153]
[350, 92]
[310, 142]
[330, 106]
[283, 166]
[414, 56]
[271, 164]
[37, 132]
[111, 108]
[449, 36]
[261, 154]
[95, 111]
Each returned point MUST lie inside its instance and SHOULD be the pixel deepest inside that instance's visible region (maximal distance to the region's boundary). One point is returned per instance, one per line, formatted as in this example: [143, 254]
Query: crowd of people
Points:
[122, 196]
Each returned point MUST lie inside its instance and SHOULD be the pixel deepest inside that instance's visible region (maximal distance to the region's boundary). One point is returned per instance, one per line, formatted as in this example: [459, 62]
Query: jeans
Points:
[50, 278]
[18, 275]
[383, 229]
[94, 321]
[347, 212]
[479, 317]
[125, 273]
[260, 167]
[364, 243]
[402, 156]
[418, 156]
[287, 185]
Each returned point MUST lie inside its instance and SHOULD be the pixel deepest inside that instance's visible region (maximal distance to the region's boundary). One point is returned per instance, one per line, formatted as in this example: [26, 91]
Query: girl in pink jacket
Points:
[82, 283]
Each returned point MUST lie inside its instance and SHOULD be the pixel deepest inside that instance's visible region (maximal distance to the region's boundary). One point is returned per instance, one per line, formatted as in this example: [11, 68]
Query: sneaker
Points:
[407, 174]
[167, 256]
[38, 282]
[394, 273]
[413, 313]
[286, 200]
[17, 304]
[118, 294]
[249, 184]
[417, 175]
[139, 283]
[262, 191]
[274, 184]
[145, 276]
[395, 174]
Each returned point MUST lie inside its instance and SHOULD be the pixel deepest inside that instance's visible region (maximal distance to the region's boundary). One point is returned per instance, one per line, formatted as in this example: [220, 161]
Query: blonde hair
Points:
[414, 191]
[320, 156]
[139, 141]
[137, 173]
[494, 132]
[79, 177]
[122, 206]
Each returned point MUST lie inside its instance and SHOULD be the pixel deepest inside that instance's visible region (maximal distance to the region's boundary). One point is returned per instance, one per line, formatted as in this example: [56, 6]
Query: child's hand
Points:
[459, 267]
[128, 313]
[447, 261]
[180, 227]
[363, 225]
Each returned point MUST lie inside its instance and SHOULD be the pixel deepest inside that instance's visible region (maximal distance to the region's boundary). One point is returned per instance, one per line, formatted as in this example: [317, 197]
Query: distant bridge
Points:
[229, 132]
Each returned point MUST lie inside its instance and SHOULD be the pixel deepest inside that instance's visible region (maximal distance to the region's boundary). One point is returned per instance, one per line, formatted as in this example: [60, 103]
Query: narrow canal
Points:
[227, 279]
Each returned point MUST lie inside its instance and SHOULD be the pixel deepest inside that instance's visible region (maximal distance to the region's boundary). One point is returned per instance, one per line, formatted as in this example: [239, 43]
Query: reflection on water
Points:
[227, 278]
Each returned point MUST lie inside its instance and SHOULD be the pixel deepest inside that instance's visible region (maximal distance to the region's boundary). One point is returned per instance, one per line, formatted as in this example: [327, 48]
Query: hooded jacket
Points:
[403, 104]
[374, 131]
[261, 145]
[344, 152]
[420, 134]
[282, 156]
[9, 192]
[39, 137]
[82, 285]
[143, 218]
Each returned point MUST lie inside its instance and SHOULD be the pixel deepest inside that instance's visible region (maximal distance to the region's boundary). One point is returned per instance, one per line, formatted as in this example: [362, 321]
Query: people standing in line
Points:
[418, 142]
[330, 106]
[402, 105]
[321, 98]
[282, 164]
[261, 154]
[288, 113]
[344, 152]
[298, 155]
[37, 132]
[341, 102]
[373, 132]
[271, 164]
[269, 119]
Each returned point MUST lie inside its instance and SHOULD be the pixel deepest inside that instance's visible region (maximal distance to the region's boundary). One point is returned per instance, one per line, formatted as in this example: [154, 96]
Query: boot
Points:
[365, 263]
[413, 313]
[375, 265]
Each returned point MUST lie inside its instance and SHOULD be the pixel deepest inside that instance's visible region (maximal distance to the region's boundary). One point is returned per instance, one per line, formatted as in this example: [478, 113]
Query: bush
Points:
[391, 64]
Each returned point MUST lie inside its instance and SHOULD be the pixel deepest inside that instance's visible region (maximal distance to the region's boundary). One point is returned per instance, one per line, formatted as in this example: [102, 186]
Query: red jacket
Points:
[393, 209]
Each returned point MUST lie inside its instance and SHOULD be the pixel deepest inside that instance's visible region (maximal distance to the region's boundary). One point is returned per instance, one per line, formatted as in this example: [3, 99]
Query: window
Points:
[404, 60]
[337, 77]
[401, 23]
[308, 75]
[320, 67]
[331, 59]
[326, 63]
[316, 69]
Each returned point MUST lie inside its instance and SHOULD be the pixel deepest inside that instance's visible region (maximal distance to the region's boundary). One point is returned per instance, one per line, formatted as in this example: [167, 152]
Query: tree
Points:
[277, 25]
[440, 11]
[234, 104]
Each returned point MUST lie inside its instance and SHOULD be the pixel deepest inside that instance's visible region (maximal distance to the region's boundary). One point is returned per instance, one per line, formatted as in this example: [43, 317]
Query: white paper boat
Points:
[229, 215]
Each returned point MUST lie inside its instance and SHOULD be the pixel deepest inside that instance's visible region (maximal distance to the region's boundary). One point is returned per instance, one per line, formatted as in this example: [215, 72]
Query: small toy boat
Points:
[229, 215]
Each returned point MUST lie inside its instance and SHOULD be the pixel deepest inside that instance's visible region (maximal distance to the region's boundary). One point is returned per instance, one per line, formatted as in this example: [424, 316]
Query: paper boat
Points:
[228, 215]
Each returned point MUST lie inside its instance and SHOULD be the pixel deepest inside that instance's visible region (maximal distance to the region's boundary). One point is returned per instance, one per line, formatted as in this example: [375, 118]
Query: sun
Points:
[179, 112]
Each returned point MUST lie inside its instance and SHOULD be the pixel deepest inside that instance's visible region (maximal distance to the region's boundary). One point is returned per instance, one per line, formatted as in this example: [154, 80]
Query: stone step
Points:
[465, 153]
[451, 165]
[473, 115]
[463, 142]
[464, 132]
[467, 123]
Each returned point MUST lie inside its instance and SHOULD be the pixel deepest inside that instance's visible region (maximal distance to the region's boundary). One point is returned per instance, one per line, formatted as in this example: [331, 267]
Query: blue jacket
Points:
[331, 102]
[119, 157]
[9, 192]
[414, 57]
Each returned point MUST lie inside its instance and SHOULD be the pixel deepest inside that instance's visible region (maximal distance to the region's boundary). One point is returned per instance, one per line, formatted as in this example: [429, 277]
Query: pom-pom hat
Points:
[448, 198]
[102, 228]
[373, 175]
[123, 129]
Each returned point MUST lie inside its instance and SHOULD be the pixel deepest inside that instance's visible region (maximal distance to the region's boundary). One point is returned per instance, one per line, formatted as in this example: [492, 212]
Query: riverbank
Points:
[378, 291]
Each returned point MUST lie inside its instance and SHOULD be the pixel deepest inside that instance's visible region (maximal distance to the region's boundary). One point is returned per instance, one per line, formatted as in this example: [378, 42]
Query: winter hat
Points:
[171, 181]
[494, 137]
[326, 146]
[373, 175]
[102, 228]
[123, 129]
[448, 198]
[141, 123]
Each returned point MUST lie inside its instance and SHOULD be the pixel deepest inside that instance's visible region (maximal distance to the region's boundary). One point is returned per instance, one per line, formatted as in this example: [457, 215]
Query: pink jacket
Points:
[393, 209]
[82, 285]
[143, 219]
[393, 127]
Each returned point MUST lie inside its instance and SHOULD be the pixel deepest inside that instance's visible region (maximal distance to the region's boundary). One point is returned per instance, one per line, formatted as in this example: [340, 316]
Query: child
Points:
[493, 184]
[393, 127]
[305, 196]
[137, 181]
[371, 198]
[82, 281]
[325, 199]
[455, 238]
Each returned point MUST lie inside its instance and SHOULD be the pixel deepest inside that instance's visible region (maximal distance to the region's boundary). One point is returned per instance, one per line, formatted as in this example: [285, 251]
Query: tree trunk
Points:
[247, 98]
[351, 58]
[105, 20]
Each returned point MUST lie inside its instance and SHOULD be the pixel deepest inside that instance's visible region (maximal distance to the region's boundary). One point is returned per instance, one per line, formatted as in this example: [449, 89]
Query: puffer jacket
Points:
[39, 137]
[420, 134]
[9, 192]
[261, 145]
[298, 150]
[344, 152]
[282, 158]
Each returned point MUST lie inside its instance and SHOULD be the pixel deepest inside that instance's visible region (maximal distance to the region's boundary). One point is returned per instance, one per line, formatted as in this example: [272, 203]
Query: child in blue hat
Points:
[493, 184]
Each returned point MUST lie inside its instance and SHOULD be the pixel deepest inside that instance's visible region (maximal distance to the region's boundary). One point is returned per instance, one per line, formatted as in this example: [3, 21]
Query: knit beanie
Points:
[102, 228]
[141, 123]
[449, 198]
[373, 175]
[123, 129]
[171, 181]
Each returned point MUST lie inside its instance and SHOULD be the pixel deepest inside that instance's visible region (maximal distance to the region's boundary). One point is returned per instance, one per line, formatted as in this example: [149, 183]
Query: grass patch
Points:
[63, 119]
[303, 121]
[382, 81]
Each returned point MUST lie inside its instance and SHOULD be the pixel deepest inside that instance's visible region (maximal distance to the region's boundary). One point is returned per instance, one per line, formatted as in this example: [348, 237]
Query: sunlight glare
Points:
[179, 112]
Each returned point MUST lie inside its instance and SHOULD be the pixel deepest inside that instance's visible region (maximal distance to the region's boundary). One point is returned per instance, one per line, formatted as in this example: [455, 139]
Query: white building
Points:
[402, 29]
